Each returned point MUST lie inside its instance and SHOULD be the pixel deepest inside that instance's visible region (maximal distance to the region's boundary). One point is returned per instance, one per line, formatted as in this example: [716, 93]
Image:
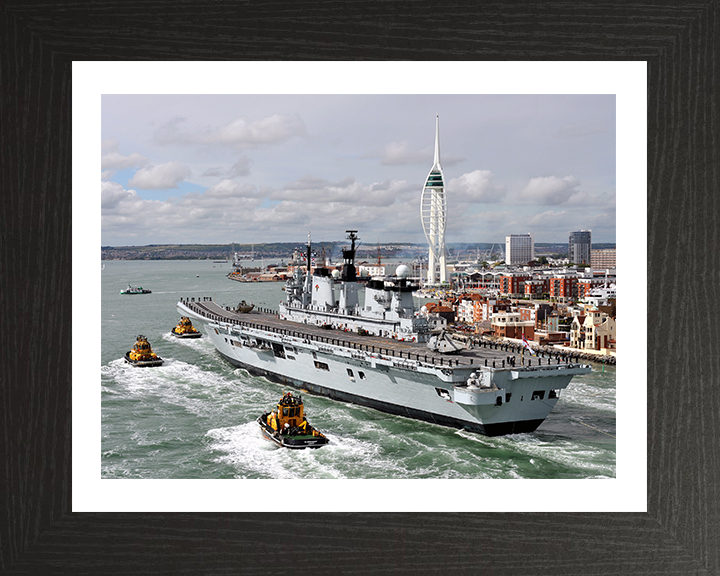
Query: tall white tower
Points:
[433, 212]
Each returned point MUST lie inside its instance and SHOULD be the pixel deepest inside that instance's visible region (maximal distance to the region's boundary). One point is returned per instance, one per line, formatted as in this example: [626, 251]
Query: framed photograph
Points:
[656, 512]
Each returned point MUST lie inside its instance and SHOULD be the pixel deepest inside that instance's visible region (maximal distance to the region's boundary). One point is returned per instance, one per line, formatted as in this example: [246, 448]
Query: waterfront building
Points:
[372, 270]
[509, 325]
[586, 285]
[433, 213]
[519, 249]
[468, 308]
[513, 283]
[602, 259]
[563, 288]
[579, 245]
[536, 287]
[465, 311]
[595, 330]
[489, 307]
[431, 310]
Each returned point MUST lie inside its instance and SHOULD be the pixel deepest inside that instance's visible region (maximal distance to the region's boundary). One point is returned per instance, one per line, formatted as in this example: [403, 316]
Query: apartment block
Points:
[602, 259]
[519, 249]
[579, 245]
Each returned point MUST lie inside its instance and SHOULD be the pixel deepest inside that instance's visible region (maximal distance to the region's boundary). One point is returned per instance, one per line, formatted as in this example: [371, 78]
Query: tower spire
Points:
[433, 213]
[437, 141]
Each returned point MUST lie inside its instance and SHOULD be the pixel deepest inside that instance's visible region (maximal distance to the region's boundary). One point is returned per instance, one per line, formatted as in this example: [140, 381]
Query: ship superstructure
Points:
[369, 346]
[387, 309]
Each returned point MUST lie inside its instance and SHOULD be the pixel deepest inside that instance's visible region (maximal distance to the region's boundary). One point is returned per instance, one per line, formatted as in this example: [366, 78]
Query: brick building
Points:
[509, 325]
[584, 285]
[563, 288]
[536, 287]
[513, 284]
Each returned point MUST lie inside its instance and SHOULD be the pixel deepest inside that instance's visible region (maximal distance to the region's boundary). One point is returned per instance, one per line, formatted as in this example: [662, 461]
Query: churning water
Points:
[194, 416]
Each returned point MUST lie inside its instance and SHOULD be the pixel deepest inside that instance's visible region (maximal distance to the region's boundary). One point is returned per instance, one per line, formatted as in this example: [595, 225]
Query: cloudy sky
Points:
[265, 168]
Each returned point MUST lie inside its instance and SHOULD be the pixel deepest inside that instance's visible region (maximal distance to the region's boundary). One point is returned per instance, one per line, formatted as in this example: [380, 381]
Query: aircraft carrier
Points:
[377, 351]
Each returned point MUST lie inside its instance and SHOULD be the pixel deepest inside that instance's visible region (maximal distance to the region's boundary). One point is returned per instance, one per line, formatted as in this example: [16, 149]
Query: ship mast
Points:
[308, 276]
[348, 270]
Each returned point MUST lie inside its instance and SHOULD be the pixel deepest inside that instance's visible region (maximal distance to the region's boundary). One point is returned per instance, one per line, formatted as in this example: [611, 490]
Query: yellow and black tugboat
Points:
[287, 426]
[185, 329]
[142, 355]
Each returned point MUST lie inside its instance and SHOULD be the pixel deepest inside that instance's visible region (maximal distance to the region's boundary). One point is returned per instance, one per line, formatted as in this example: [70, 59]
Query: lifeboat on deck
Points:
[185, 329]
[287, 426]
[142, 355]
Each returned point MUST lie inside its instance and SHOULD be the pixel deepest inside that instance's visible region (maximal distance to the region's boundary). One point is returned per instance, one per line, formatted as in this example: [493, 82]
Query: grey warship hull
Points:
[393, 376]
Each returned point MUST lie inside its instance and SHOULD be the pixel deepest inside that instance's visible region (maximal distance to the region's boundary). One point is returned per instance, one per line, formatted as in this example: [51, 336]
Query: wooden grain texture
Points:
[679, 535]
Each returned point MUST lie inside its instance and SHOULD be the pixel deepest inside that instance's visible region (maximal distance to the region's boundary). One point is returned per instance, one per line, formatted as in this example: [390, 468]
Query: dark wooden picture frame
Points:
[680, 532]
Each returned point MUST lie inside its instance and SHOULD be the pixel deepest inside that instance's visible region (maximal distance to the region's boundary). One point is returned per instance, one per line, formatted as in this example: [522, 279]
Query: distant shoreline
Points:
[464, 250]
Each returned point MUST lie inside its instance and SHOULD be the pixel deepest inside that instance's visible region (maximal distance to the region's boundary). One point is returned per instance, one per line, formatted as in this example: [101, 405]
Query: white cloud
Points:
[113, 194]
[214, 171]
[397, 153]
[240, 168]
[230, 189]
[240, 132]
[221, 210]
[550, 219]
[400, 154]
[169, 132]
[313, 190]
[550, 190]
[111, 158]
[166, 175]
[475, 187]
[583, 199]
[237, 170]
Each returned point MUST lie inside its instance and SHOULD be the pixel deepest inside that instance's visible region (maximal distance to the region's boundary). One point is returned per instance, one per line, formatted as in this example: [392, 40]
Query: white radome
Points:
[402, 271]
[336, 274]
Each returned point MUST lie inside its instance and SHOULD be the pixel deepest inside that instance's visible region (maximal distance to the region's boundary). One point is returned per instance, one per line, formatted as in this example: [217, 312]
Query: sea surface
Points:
[194, 416]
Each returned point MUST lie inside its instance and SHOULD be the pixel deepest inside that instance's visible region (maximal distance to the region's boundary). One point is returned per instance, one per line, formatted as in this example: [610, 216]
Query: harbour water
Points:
[194, 416]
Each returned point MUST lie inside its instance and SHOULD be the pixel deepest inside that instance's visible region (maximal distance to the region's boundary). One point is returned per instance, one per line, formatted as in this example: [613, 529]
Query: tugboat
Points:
[287, 426]
[135, 290]
[244, 307]
[185, 329]
[142, 355]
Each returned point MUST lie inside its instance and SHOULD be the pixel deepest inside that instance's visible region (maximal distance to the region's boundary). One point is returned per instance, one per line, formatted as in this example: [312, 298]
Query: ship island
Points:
[365, 343]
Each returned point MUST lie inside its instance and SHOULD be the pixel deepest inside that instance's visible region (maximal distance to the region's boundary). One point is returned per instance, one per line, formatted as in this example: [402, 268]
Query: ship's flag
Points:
[525, 343]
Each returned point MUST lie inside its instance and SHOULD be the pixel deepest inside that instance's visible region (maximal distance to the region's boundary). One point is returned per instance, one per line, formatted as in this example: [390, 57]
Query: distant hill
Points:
[458, 250]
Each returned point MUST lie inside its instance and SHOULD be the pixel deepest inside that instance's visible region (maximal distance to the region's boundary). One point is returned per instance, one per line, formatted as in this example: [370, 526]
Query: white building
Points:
[377, 270]
[519, 249]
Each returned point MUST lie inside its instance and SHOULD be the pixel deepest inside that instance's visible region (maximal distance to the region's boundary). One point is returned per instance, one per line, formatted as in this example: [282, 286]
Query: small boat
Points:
[244, 307]
[142, 355]
[185, 329]
[287, 426]
[135, 290]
